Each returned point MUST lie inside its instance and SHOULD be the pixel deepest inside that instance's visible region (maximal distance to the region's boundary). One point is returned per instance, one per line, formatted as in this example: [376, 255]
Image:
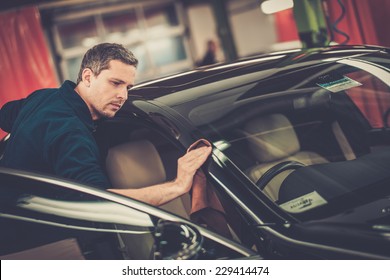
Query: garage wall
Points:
[253, 31]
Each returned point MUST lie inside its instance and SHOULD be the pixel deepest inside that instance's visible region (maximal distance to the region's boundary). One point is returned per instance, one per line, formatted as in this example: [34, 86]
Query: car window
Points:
[307, 139]
[372, 97]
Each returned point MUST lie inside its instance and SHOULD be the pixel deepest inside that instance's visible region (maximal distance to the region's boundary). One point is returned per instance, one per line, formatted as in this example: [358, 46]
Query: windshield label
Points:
[340, 84]
[304, 203]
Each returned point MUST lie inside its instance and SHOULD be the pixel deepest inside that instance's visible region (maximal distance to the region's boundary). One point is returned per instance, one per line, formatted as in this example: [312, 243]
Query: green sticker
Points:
[340, 84]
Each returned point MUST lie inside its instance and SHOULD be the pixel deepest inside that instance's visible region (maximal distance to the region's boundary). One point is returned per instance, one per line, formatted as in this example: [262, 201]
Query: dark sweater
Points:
[52, 132]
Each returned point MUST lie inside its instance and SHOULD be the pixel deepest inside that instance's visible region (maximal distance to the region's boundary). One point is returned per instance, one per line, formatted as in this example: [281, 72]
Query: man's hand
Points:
[188, 164]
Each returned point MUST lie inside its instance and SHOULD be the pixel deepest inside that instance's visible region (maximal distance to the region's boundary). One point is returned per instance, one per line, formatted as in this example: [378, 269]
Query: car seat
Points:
[137, 164]
[272, 139]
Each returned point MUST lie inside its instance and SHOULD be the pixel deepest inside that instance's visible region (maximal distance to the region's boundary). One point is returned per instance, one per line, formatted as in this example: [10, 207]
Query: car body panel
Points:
[65, 208]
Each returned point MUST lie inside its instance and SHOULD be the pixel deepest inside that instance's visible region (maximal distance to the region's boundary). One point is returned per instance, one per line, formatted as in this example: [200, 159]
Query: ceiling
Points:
[50, 4]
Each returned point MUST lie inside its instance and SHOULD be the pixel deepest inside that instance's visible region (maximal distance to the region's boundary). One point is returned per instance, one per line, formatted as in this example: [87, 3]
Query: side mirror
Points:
[176, 241]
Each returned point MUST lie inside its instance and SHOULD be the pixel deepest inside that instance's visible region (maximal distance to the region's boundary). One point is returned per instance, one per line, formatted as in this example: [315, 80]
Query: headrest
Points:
[271, 137]
[134, 165]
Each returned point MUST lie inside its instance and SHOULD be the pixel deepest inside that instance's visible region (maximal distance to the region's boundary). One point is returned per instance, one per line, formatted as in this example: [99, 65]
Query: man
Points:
[210, 55]
[52, 129]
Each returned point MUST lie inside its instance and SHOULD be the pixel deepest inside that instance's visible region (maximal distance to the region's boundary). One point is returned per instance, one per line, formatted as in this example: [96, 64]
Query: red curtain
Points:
[365, 22]
[25, 61]
[360, 21]
[286, 29]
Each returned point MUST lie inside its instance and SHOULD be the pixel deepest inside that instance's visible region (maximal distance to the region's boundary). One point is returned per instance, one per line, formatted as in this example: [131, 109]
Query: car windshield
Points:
[314, 140]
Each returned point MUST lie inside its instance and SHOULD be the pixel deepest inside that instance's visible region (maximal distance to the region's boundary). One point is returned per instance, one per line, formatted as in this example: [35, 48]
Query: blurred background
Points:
[42, 42]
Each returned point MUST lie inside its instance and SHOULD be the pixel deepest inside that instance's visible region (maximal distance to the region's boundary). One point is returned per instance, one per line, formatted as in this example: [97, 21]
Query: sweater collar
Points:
[77, 103]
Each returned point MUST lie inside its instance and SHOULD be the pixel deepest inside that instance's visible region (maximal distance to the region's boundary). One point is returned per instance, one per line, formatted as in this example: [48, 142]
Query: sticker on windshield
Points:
[304, 203]
[335, 83]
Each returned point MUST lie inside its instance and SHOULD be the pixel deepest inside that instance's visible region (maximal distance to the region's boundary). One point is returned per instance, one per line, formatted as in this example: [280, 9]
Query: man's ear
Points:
[86, 76]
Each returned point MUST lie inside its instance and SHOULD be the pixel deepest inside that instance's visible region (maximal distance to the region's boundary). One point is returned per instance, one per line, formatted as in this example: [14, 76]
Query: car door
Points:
[48, 218]
[40, 219]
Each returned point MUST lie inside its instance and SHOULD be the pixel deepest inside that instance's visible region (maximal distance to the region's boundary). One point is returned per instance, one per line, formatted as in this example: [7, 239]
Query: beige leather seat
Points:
[272, 139]
[137, 164]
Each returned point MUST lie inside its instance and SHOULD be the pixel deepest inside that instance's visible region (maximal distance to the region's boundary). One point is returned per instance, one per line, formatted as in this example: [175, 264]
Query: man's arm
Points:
[8, 114]
[165, 192]
[72, 156]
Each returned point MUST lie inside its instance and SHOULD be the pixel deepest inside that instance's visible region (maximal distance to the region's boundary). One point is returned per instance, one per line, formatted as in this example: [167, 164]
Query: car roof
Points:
[280, 62]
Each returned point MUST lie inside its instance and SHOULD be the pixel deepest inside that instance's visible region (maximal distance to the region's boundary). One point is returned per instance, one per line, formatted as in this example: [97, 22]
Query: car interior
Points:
[138, 156]
[271, 142]
[137, 164]
[270, 132]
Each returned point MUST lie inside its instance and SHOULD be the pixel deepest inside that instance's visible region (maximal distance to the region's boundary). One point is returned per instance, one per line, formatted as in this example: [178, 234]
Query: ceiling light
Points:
[273, 6]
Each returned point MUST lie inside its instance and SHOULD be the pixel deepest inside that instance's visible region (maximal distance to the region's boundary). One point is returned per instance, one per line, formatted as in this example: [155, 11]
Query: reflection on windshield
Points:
[331, 118]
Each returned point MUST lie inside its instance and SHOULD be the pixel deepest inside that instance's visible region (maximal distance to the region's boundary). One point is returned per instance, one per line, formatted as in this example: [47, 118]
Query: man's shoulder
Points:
[39, 99]
[41, 93]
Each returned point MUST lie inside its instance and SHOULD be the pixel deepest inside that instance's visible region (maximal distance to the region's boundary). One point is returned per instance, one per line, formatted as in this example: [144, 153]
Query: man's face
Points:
[108, 91]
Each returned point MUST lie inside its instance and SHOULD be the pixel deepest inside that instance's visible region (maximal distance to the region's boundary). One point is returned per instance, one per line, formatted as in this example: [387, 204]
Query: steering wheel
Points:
[275, 170]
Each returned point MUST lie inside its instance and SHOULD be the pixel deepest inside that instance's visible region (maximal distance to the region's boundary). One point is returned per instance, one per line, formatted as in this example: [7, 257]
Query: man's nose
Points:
[123, 94]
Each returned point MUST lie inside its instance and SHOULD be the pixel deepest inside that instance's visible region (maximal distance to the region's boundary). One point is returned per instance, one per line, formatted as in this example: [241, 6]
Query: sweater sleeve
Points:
[8, 114]
[74, 155]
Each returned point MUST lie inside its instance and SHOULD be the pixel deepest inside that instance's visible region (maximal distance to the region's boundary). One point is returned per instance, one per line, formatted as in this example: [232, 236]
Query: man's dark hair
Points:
[98, 58]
